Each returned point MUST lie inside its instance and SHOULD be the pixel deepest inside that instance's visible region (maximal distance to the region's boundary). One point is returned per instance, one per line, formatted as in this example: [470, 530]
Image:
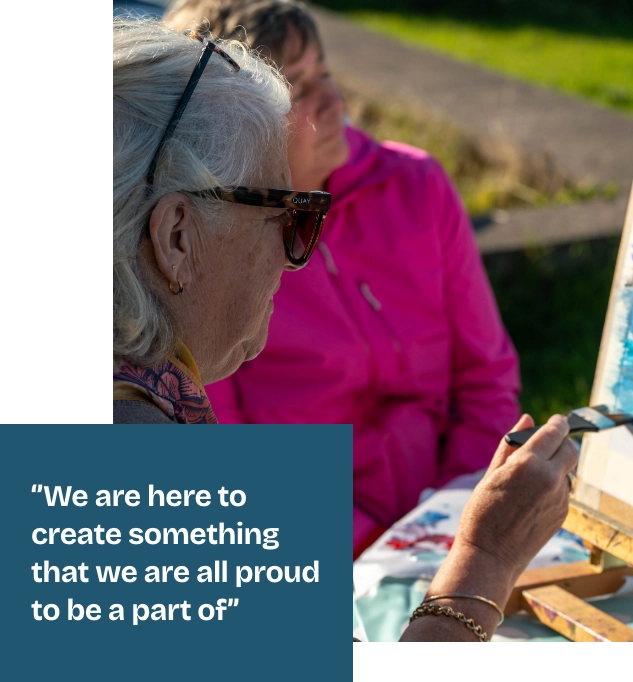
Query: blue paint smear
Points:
[571, 554]
[431, 518]
[623, 388]
[566, 535]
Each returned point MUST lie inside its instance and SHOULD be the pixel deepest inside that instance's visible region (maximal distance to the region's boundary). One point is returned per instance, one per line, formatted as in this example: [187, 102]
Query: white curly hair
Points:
[233, 125]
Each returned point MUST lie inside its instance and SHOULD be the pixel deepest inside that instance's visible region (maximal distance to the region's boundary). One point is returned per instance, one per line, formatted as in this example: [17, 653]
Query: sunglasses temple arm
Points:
[180, 108]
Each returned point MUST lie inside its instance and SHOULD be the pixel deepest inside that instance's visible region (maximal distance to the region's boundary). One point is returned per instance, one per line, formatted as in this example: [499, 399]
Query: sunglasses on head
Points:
[306, 210]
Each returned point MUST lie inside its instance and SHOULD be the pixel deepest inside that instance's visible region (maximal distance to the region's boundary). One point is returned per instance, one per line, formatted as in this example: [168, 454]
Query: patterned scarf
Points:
[174, 385]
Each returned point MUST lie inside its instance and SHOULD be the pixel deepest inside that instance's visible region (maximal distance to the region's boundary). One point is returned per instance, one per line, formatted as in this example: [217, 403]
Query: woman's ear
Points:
[171, 227]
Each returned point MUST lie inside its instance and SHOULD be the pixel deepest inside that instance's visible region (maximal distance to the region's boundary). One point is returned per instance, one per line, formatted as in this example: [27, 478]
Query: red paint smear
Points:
[446, 540]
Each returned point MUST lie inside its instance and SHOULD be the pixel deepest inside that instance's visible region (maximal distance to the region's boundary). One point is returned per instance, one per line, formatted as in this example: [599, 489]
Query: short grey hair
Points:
[263, 25]
[233, 124]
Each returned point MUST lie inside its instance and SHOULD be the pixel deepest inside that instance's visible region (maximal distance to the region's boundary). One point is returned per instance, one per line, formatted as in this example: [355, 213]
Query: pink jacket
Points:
[392, 327]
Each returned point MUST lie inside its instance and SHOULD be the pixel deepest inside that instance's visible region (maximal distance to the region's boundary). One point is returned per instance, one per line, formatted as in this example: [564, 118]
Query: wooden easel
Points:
[556, 595]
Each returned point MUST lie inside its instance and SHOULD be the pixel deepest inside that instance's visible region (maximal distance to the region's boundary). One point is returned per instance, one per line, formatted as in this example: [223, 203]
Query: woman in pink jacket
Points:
[392, 326]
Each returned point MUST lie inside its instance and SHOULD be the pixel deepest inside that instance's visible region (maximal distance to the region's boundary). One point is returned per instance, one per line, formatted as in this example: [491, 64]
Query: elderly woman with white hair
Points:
[198, 254]
[200, 242]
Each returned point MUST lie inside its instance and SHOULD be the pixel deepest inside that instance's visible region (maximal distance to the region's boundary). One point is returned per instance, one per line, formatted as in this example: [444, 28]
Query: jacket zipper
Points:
[330, 266]
[376, 305]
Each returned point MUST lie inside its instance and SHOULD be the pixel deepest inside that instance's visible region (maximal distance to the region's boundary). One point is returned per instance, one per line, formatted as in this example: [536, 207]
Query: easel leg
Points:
[580, 578]
[573, 618]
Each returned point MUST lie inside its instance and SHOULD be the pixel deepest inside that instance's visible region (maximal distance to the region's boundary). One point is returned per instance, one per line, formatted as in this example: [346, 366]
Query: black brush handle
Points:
[518, 438]
[576, 425]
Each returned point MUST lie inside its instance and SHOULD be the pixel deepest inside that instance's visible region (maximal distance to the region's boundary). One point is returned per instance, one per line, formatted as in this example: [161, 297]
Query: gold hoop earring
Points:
[181, 289]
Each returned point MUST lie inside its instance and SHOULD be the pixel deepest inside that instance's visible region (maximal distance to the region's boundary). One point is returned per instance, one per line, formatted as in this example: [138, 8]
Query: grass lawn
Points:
[553, 302]
[488, 176]
[594, 64]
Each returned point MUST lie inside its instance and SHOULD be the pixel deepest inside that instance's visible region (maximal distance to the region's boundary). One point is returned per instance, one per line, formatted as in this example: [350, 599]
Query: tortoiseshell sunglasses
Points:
[306, 214]
[306, 210]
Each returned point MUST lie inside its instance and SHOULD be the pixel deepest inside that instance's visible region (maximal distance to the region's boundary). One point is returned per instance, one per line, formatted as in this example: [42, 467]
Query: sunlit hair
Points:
[263, 25]
[233, 128]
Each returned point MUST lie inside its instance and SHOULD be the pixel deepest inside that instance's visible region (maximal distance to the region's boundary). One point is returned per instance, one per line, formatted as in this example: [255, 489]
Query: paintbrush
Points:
[594, 418]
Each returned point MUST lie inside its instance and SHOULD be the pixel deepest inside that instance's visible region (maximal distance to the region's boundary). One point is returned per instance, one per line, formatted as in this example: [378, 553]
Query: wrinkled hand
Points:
[523, 498]
[518, 505]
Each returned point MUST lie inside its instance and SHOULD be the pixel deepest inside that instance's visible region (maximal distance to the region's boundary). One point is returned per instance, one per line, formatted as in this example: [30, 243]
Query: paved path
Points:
[586, 142]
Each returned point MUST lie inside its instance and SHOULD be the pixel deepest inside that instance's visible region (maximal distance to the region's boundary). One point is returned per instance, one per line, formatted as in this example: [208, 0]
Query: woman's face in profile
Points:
[317, 143]
[240, 272]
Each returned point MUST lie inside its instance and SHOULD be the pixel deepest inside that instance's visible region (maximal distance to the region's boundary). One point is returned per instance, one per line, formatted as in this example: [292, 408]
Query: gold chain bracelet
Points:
[461, 595]
[436, 610]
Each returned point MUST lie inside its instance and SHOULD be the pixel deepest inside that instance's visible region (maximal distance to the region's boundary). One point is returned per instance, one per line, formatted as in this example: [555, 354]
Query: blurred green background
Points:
[553, 299]
[581, 47]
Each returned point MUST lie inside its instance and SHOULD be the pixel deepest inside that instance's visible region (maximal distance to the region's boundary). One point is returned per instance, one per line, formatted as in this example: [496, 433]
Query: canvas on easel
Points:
[601, 505]
[605, 471]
